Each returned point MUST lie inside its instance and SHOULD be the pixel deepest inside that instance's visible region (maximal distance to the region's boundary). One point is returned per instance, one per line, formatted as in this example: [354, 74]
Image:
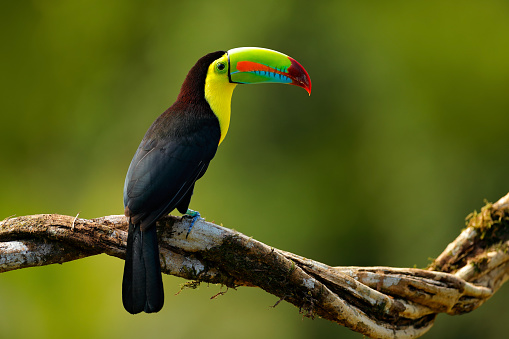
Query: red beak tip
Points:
[299, 75]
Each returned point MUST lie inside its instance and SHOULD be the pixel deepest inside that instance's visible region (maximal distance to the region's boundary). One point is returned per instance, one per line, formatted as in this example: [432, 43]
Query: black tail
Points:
[142, 286]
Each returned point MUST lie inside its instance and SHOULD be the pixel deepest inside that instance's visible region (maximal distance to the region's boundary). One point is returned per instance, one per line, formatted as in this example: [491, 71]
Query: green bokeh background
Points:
[405, 133]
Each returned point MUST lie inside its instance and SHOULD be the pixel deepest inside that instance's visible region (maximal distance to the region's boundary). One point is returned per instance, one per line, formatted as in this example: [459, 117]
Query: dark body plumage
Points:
[174, 153]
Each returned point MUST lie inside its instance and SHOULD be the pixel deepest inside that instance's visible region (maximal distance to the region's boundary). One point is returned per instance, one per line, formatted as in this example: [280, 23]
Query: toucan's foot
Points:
[192, 214]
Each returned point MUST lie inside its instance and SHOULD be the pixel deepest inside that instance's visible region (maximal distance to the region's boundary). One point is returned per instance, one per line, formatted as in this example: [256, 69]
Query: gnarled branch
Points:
[379, 302]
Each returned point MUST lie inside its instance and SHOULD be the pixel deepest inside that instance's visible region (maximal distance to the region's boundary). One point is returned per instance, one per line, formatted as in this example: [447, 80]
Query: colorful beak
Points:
[252, 65]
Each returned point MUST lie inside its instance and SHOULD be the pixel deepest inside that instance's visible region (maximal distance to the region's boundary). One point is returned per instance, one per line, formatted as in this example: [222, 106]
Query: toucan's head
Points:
[246, 65]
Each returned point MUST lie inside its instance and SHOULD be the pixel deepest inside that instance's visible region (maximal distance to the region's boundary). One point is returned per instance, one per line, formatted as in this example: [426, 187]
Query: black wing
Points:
[164, 169]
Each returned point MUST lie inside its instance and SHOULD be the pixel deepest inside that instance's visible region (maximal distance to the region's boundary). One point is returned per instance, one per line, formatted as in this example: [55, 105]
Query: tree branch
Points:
[379, 302]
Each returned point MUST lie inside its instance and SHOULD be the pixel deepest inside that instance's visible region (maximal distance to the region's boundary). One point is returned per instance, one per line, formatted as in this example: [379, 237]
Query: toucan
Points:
[176, 151]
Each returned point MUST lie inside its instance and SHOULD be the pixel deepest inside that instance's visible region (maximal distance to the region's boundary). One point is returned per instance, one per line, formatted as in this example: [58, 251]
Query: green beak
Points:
[252, 65]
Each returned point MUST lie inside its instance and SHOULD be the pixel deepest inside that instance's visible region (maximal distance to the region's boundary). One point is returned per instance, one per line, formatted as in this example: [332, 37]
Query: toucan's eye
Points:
[220, 66]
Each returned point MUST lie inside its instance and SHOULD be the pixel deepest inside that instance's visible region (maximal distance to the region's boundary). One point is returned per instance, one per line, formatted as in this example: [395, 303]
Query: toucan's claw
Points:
[191, 214]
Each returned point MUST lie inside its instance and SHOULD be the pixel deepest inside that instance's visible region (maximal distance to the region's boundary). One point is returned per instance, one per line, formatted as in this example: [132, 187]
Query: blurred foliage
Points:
[405, 133]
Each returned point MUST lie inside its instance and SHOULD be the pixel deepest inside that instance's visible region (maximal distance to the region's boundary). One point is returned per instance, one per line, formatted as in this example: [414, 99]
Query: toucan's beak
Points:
[252, 65]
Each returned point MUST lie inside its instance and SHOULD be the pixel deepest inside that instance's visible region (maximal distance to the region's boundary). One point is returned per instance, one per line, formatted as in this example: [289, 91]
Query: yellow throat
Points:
[218, 93]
